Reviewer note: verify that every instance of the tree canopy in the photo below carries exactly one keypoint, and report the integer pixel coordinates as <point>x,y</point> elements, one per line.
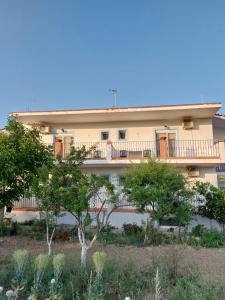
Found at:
<point>211,201</point>
<point>158,185</point>
<point>21,155</point>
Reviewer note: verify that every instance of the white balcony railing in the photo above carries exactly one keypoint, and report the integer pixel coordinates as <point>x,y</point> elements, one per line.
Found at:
<point>96,203</point>
<point>143,149</point>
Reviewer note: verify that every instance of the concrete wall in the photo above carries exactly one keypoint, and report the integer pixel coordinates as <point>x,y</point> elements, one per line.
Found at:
<point>136,131</point>
<point>117,219</point>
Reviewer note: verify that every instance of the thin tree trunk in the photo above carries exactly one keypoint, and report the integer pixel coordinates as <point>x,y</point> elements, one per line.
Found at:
<point>83,257</point>
<point>49,240</point>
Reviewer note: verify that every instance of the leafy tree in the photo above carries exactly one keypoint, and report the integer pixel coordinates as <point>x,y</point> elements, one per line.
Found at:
<point>21,154</point>
<point>77,192</point>
<point>210,200</point>
<point>160,188</point>
<point>45,187</point>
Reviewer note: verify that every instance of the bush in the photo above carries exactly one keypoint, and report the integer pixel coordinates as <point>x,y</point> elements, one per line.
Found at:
<point>198,230</point>
<point>132,229</point>
<point>209,238</point>
<point>212,238</point>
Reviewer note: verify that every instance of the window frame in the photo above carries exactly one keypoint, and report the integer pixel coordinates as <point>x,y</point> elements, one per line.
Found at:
<point>104,130</point>
<point>118,134</point>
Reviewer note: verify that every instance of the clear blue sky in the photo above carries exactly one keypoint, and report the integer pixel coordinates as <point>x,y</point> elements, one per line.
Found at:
<point>57,54</point>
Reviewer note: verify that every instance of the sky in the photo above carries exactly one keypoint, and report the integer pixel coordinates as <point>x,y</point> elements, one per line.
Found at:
<point>57,54</point>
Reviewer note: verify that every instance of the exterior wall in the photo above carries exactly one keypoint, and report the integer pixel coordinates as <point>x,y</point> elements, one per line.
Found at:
<point>117,219</point>
<point>136,131</point>
<point>206,174</point>
<point>219,133</point>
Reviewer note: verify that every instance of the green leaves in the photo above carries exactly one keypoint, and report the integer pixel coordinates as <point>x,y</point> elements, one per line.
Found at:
<point>21,155</point>
<point>211,201</point>
<point>155,184</point>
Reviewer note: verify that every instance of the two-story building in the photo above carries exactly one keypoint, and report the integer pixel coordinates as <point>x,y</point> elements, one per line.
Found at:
<point>191,136</point>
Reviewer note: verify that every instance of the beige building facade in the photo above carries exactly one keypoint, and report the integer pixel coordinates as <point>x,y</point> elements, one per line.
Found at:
<point>190,136</point>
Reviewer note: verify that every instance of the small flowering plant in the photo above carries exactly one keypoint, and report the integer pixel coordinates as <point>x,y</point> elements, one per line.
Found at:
<point>10,294</point>
<point>95,290</point>
<point>20,259</point>
<point>56,282</point>
<point>41,264</point>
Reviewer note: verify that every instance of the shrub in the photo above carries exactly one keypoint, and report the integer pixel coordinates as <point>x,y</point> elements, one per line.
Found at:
<point>212,238</point>
<point>198,230</point>
<point>132,229</point>
<point>154,237</point>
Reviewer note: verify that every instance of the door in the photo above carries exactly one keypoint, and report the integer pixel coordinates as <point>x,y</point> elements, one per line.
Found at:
<point>67,142</point>
<point>166,143</point>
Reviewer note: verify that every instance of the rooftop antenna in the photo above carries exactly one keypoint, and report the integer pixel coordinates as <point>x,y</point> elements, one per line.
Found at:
<point>114,92</point>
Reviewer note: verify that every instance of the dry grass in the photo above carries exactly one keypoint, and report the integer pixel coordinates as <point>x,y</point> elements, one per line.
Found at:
<point>209,262</point>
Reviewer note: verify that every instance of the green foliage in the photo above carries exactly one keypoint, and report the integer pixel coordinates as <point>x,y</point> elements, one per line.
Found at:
<point>195,288</point>
<point>211,201</point>
<point>174,279</point>
<point>209,238</point>
<point>198,230</point>
<point>99,260</point>
<point>21,154</point>
<point>3,228</point>
<point>132,229</point>
<point>159,185</point>
<point>212,238</point>
<point>40,265</point>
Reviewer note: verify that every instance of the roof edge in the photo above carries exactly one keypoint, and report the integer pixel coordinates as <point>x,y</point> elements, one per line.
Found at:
<point>117,108</point>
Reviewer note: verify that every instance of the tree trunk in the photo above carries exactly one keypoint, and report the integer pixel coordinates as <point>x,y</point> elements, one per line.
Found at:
<point>49,240</point>
<point>83,257</point>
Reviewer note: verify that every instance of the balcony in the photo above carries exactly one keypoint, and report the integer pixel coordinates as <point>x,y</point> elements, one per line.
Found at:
<point>142,150</point>
<point>123,205</point>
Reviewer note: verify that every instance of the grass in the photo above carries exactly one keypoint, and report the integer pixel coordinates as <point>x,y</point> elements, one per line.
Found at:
<point>120,279</point>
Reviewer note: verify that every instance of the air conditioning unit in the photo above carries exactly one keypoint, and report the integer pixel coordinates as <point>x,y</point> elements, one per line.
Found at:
<point>123,153</point>
<point>45,129</point>
<point>193,171</point>
<point>188,123</point>
<point>147,153</point>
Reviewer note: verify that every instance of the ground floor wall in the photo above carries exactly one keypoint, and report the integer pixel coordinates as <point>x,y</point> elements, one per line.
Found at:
<point>117,219</point>
<point>206,173</point>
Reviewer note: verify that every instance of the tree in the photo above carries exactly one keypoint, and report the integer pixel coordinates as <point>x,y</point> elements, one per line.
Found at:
<point>21,154</point>
<point>210,200</point>
<point>159,187</point>
<point>77,192</point>
<point>45,187</point>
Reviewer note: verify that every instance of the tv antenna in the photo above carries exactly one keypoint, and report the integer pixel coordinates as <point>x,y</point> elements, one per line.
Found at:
<point>114,92</point>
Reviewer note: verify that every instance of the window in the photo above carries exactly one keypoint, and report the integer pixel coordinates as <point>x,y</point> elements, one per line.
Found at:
<point>122,134</point>
<point>104,135</point>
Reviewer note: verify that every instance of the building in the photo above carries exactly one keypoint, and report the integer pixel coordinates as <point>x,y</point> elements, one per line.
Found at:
<point>191,136</point>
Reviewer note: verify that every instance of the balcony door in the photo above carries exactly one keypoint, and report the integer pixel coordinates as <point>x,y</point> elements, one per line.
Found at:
<point>67,144</point>
<point>166,143</point>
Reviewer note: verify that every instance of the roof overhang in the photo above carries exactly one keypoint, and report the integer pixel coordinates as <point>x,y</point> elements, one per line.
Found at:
<point>164,112</point>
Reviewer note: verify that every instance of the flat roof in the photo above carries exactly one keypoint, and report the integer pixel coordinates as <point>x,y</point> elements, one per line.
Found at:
<point>119,108</point>
<point>115,114</point>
